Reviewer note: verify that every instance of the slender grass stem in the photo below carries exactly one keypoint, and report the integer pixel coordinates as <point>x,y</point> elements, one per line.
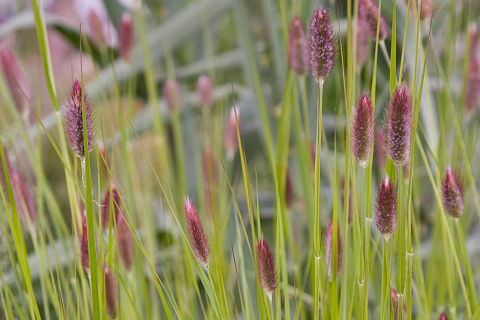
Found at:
<point>401,256</point>
<point>384,304</point>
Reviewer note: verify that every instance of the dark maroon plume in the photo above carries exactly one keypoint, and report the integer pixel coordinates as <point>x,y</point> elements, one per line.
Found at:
<point>266,268</point>
<point>297,47</point>
<point>452,194</point>
<point>368,20</point>
<point>198,241</point>
<point>322,48</point>
<point>363,125</point>
<point>386,209</point>
<point>111,295</point>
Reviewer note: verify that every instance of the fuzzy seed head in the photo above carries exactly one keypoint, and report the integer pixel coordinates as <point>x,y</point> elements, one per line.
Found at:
<point>362,45</point>
<point>452,194</point>
<point>395,305</point>
<point>443,316</point>
<point>322,48</point>
<point>230,141</point>
<point>472,86</point>
<point>329,250</point>
<point>363,125</point>
<point>386,209</point>
<point>126,36</point>
<point>125,244</point>
<point>399,125</point>
<point>266,268</point>
<point>205,91</point>
<point>172,94</point>
<point>111,295</point>
<point>15,81</point>
<point>83,240</point>
<point>24,200</point>
<point>74,120</point>
<point>368,20</point>
<point>297,47</point>
<point>111,195</point>
<point>198,241</point>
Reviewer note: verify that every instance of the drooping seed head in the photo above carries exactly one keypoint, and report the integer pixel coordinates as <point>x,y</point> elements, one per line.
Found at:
<point>399,125</point>
<point>297,47</point>
<point>321,45</point>
<point>289,192</point>
<point>329,250</point>
<point>111,197</point>
<point>443,316</point>
<point>125,244</point>
<point>15,81</point>
<point>368,20</point>
<point>395,305</point>
<point>172,94</point>
<point>83,240</point>
<point>266,268</point>
<point>126,35</point>
<point>111,295</point>
<point>24,200</point>
<point>74,120</point>
<point>205,91</point>
<point>363,124</point>
<point>230,141</point>
<point>452,194</point>
<point>472,86</point>
<point>198,241</point>
<point>386,209</point>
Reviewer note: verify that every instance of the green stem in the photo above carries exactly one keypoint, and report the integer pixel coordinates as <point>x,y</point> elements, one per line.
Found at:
<point>467,266</point>
<point>401,242</point>
<point>385,280</point>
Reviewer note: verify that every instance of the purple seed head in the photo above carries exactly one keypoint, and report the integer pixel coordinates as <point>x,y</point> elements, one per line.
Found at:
<point>399,125</point>
<point>111,295</point>
<point>198,241</point>
<point>112,195</point>
<point>363,124</point>
<point>266,268</point>
<point>395,304</point>
<point>83,240</point>
<point>125,244</point>
<point>24,199</point>
<point>289,192</point>
<point>172,94</point>
<point>126,36</point>
<point>297,47</point>
<point>452,194</point>
<point>74,120</point>
<point>230,141</point>
<point>322,47</point>
<point>368,20</point>
<point>443,316</point>
<point>14,79</point>
<point>205,91</point>
<point>386,209</point>
<point>472,86</point>
<point>329,250</point>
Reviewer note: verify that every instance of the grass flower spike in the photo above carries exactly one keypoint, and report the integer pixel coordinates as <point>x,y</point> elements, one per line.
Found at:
<point>472,88</point>
<point>26,204</point>
<point>399,126</point>
<point>198,241</point>
<point>322,47</point>
<point>368,20</point>
<point>230,141</point>
<point>329,250</point>
<point>74,120</point>
<point>266,268</point>
<point>126,35</point>
<point>363,131</point>
<point>83,241</point>
<point>172,94</point>
<point>386,209</point>
<point>111,295</point>
<point>452,194</point>
<point>395,304</point>
<point>297,47</point>
<point>112,195</point>
<point>443,316</point>
<point>125,244</point>
<point>15,81</point>
<point>205,91</point>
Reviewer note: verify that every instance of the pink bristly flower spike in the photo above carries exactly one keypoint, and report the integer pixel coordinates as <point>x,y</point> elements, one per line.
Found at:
<point>74,120</point>
<point>198,241</point>
<point>329,250</point>
<point>386,209</point>
<point>112,195</point>
<point>443,316</point>
<point>452,194</point>
<point>321,45</point>
<point>111,295</point>
<point>363,124</point>
<point>395,304</point>
<point>266,268</point>
<point>126,35</point>
<point>172,94</point>
<point>125,244</point>
<point>230,141</point>
<point>83,240</point>
<point>472,86</point>
<point>297,47</point>
<point>368,20</point>
<point>205,91</point>
<point>398,124</point>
